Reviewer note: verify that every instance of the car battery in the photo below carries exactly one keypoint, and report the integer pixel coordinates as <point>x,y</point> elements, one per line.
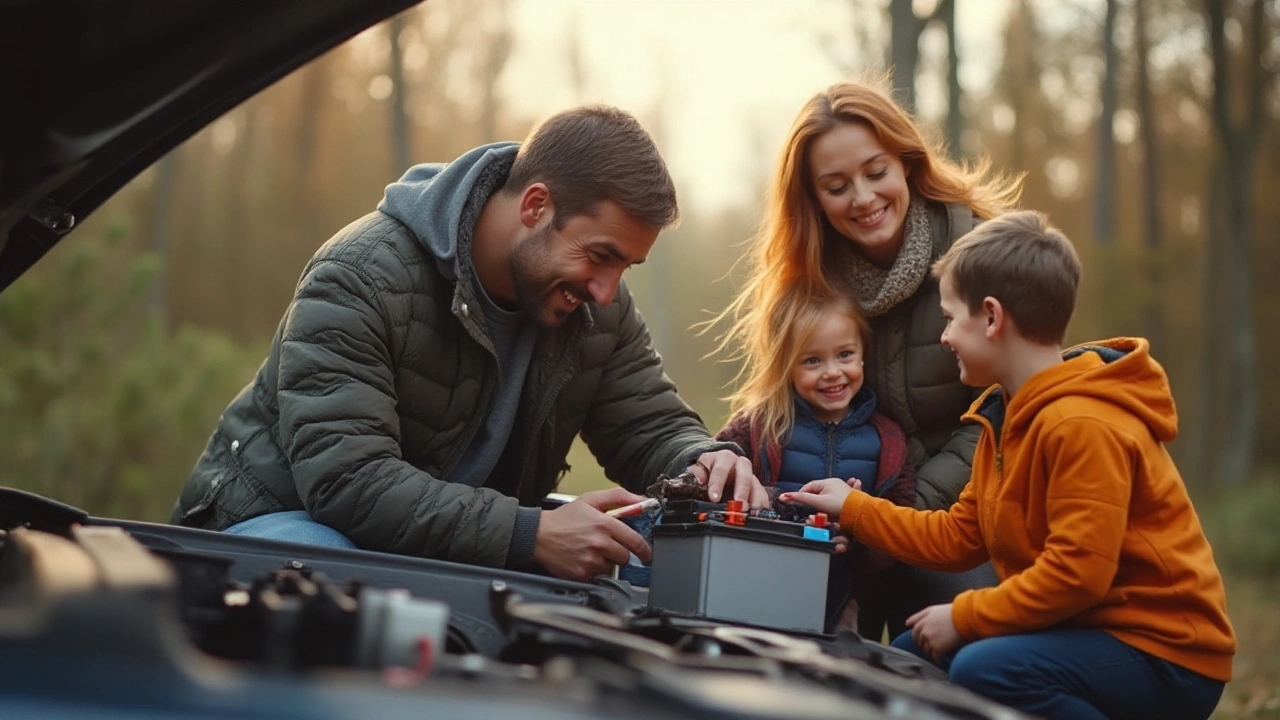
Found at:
<point>718,562</point>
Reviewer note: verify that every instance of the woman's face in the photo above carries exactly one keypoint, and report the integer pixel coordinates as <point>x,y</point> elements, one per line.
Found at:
<point>862,189</point>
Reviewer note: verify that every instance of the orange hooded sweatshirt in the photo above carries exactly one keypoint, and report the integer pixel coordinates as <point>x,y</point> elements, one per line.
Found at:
<point>1082,511</point>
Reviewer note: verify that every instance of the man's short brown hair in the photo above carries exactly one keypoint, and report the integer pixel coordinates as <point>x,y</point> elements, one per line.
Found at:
<point>1024,262</point>
<point>594,153</point>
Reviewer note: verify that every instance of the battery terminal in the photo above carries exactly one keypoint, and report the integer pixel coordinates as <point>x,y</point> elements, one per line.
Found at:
<point>734,514</point>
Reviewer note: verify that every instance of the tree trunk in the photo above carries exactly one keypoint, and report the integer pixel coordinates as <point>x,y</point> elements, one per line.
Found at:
<point>904,52</point>
<point>955,118</point>
<point>1153,318</point>
<point>162,205</point>
<point>497,52</point>
<point>1104,198</point>
<point>303,185</point>
<point>1238,139</point>
<point>241,308</point>
<point>1023,73</point>
<point>1207,421</point>
<point>401,155</point>
<point>1242,393</point>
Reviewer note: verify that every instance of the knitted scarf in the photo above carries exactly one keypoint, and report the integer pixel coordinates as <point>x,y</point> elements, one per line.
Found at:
<point>878,289</point>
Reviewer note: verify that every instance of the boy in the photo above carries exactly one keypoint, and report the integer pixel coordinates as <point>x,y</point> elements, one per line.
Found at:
<point>1109,602</point>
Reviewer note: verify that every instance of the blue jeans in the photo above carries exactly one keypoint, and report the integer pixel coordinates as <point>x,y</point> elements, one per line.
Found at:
<point>1077,675</point>
<point>636,572</point>
<point>293,526</point>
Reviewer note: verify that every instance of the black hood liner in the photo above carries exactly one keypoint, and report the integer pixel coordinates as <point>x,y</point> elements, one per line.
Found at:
<point>94,91</point>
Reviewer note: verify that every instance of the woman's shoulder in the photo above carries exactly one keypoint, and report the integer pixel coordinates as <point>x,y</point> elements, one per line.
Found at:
<point>949,222</point>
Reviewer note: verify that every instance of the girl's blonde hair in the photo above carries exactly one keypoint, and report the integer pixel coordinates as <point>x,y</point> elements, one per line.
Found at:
<point>765,394</point>
<point>786,254</point>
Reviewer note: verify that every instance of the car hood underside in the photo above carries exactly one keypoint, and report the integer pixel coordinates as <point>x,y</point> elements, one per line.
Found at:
<point>95,91</point>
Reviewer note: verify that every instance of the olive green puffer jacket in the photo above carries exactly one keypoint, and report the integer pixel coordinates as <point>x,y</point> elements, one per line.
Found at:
<point>382,372</point>
<point>917,381</point>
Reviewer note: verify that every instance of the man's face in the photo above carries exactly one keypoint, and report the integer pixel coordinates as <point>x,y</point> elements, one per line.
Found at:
<point>554,271</point>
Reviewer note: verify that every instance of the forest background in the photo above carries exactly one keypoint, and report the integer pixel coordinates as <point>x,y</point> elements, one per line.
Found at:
<point>1147,130</point>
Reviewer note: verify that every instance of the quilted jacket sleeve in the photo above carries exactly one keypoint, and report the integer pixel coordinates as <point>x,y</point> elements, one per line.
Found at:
<point>896,482</point>
<point>637,426</point>
<point>902,492</point>
<point>341,435</point>
<point>940,480</point>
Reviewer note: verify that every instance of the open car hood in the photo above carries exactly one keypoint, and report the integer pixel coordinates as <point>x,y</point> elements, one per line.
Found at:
<point>94,91</point>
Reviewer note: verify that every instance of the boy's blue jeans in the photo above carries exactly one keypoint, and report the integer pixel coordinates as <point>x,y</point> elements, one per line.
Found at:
<point>293,526</point>
<point>1077,675</point>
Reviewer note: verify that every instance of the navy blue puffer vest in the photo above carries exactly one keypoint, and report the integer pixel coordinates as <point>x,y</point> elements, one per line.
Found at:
<point>846,449</point>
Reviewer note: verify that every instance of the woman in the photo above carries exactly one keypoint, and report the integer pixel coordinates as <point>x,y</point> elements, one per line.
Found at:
<point>861,203</point>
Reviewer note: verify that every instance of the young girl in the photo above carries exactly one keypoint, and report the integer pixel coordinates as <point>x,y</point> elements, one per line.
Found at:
<point>803,414</point>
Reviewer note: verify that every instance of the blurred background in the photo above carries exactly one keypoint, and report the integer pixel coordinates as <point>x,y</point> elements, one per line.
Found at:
<point>1147,130</point>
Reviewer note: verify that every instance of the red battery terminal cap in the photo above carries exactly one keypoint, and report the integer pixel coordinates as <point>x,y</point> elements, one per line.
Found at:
<point>733,514</point>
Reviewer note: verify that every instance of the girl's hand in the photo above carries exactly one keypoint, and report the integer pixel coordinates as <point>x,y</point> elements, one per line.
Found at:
<point>822,495</point>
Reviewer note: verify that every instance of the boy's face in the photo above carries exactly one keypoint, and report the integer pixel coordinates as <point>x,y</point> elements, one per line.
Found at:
<point>968,336</point>
<point>828,371</point>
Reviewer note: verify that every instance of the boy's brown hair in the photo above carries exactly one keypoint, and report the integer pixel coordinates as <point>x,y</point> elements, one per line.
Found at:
<point>1024,262</point>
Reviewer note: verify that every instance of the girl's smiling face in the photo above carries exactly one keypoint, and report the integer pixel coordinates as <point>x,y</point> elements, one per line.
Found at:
<point>827,373</point>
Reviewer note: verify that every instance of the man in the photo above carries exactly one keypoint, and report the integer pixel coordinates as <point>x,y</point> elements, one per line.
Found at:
<point>441,354</point>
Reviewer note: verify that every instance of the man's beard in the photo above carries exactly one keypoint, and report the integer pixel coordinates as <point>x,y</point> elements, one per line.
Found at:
<point>534,279</point>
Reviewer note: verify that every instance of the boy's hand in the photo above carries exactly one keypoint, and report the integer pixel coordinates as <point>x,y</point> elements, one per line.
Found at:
<point>822,495</point>
<point>841,540</point>
<point>935,632</point>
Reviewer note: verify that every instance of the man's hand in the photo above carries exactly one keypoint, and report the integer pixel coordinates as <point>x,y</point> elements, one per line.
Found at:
<point>717,469</point>
<point>577,541</point>
<point>935,632</point>
<point>822,495</point>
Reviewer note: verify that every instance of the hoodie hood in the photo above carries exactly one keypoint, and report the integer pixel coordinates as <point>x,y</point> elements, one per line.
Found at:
<point>439,202</point>
<point>1120,371</point>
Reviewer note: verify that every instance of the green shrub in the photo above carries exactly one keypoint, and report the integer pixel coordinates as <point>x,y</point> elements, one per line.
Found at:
<point>103,406</point>
<point>1241,524</point>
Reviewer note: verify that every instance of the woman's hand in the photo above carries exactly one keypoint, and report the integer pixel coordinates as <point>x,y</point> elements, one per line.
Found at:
<point>822,495</point>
